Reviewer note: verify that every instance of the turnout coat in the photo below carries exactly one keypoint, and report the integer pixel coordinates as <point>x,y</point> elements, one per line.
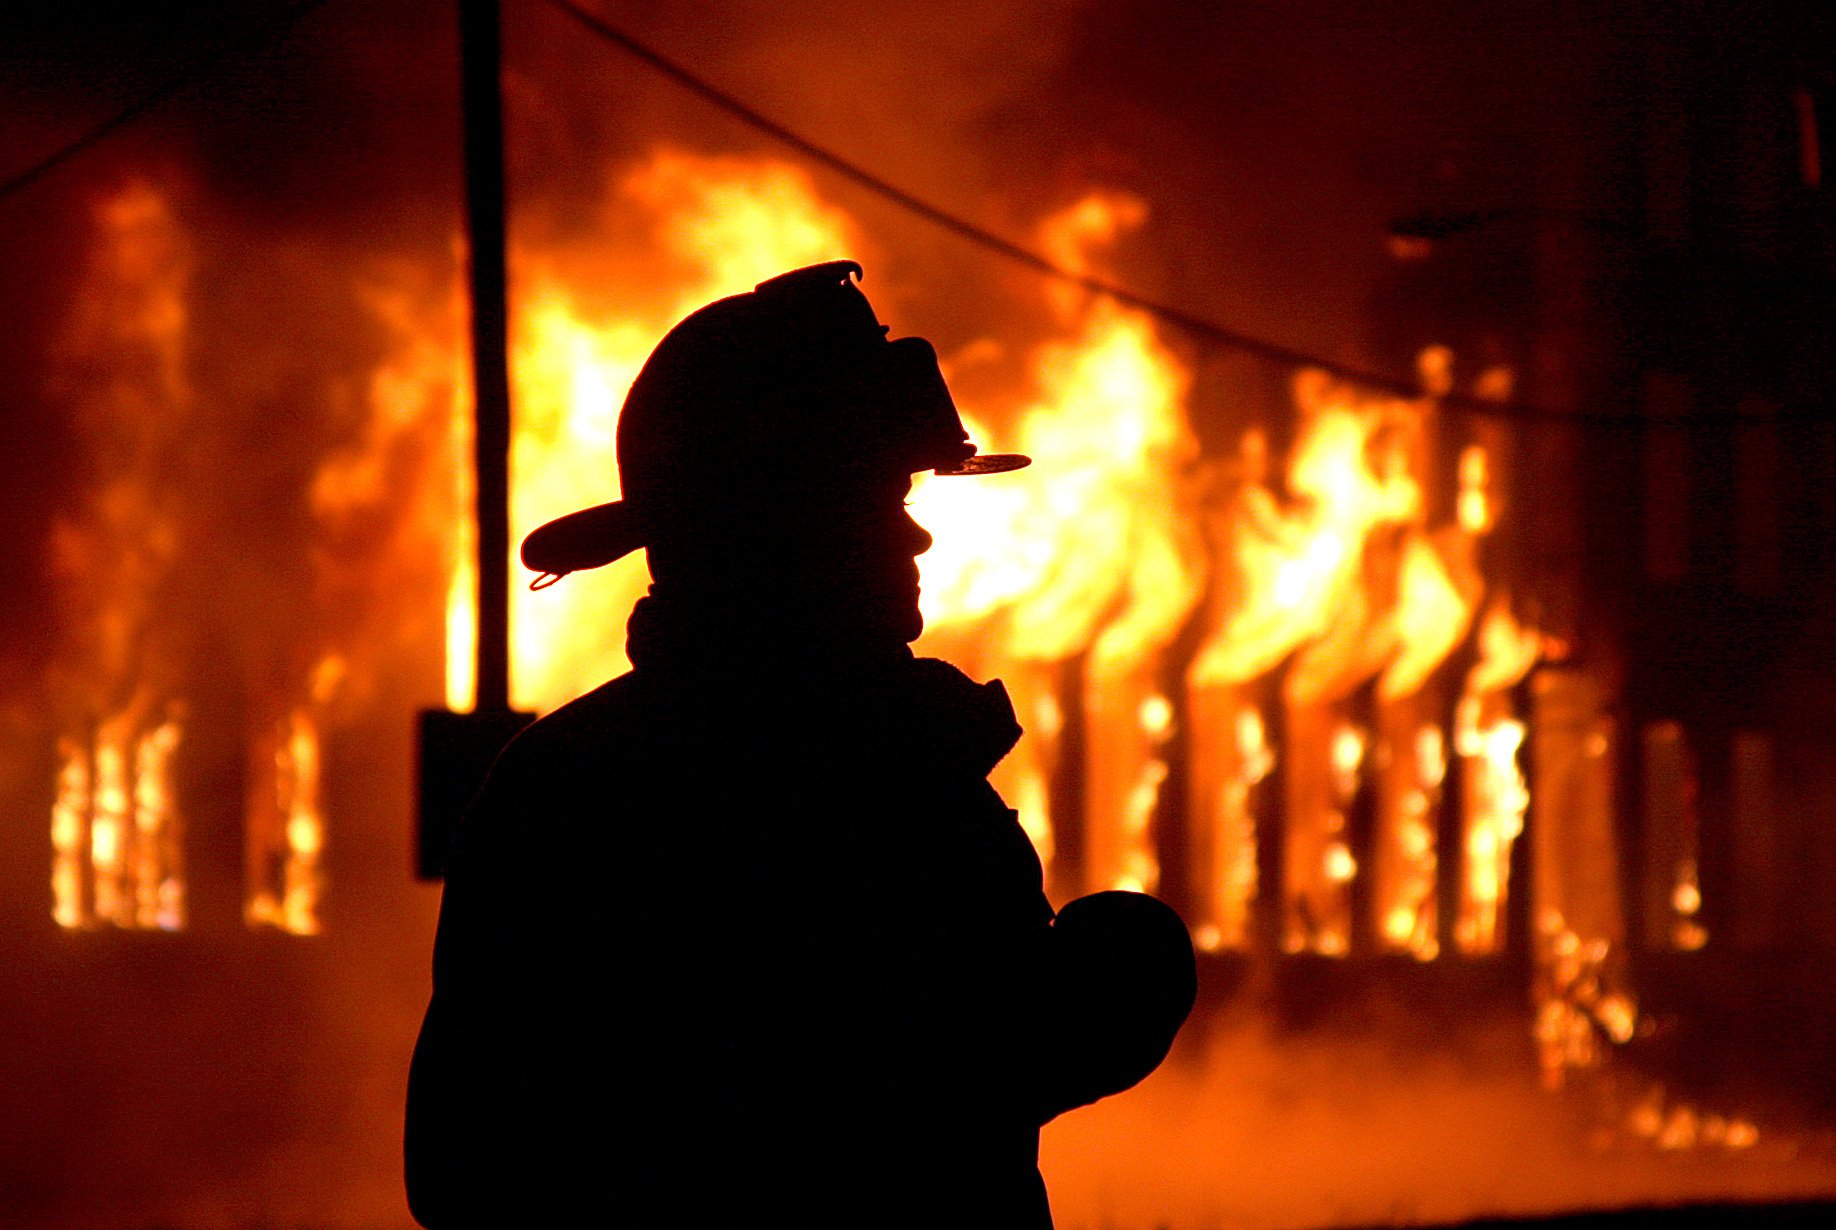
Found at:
<point>723,943</point>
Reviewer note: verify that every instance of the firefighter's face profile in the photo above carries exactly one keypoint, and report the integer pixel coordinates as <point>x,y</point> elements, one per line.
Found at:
<point>855,551</point>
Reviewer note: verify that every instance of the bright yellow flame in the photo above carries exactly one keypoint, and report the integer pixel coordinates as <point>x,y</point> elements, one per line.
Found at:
<point>1093,548</point>
<point>1474,504</point>
<point>1347,756</point>
<point>1295,571</point>
<point>69,818</point>
<point>1090,547</point>
<point>729,223</point>
<point>1407,865</point>
<point>1156,717</point>
<point>1496,795</point>
<point>1437,594</point>
<point>113,824</point>
<point>159,887</point>
<point>462,624</point>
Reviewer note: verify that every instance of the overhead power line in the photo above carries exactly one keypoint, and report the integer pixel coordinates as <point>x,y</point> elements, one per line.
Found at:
<point>260,38</point>
<point>1198,326</point>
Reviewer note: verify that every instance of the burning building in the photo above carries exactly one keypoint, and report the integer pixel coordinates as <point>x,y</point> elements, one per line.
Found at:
<point>1476,720</point>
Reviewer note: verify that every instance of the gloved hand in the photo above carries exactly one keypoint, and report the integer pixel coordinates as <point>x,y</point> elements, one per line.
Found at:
<point>1126,981</point>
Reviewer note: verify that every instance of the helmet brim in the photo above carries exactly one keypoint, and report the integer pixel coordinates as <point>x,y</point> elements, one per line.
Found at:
<point>600,535</point>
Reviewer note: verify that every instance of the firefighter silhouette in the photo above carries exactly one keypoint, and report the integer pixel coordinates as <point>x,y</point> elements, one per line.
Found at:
<point>745,933</point>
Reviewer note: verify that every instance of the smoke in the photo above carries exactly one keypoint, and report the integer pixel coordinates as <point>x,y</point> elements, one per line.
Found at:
<point>1380,1110</point>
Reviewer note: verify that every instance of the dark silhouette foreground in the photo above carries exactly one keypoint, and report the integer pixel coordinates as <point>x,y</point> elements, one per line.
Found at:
<point>744,936</point>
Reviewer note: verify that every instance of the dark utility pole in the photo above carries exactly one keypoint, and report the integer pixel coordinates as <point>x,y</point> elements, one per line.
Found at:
<point>484,206</point>
<point>457,749</point>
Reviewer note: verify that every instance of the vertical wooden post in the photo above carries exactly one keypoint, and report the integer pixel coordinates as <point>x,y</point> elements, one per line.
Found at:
<point>456,750</point>
<point>484,199</point>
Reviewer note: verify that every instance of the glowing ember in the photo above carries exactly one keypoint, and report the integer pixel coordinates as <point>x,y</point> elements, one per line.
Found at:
<point>1580,1009</point>
<point>1672,896</point>
<point>1687,933</point>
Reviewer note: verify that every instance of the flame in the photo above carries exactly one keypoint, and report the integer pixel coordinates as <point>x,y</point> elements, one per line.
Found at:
<point>1226,773</point>
<point>115,828</point>
<point>1580,1010</point>
<point>724,224</point>
<point>1292,574</point>
<point>1092,549</point>
<point>1496,796</point>
<point>1437,594</point>
<point>69,817</point>
<point>116,857</point>
<point>1407,859</point>
<point>287,831</point>
<point>1473,504</point>
<point>1344,581</point>
<point>462,620</point>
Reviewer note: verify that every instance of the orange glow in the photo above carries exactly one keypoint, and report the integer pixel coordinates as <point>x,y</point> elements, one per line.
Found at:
<point>1687,931</point>
<point>1495,795</point>
<point>116,858</point>
<point>1092,549</point>
<point>724,224</point>
<point>115,828</point>
<point>69,818</point>
<point>1225,777</point>
<point>1296,570</point>
<point>1407,861</point>
<point>287,835</point>
<point>1343,581</point>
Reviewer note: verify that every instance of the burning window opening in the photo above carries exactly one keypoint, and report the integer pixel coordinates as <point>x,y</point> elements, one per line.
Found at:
<point>286,828</point>
<point>117,849</point>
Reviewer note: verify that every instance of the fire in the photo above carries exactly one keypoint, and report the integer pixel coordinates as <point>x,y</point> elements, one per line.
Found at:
<point>114,837</point>
<point>1091,551</point>
<point>1343,583</point>
<point>1687,933</point>
<point>116,824</point>
<point>1488,736</point>
<point>722,225</point>
<point>1409,921</point>
<point>1091,558</point>
<point>1072,580</point>
<point>287,829</point>
<point>115,829</point>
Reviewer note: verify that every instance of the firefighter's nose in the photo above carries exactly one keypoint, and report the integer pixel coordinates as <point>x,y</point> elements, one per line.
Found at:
<point>918,540</point>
